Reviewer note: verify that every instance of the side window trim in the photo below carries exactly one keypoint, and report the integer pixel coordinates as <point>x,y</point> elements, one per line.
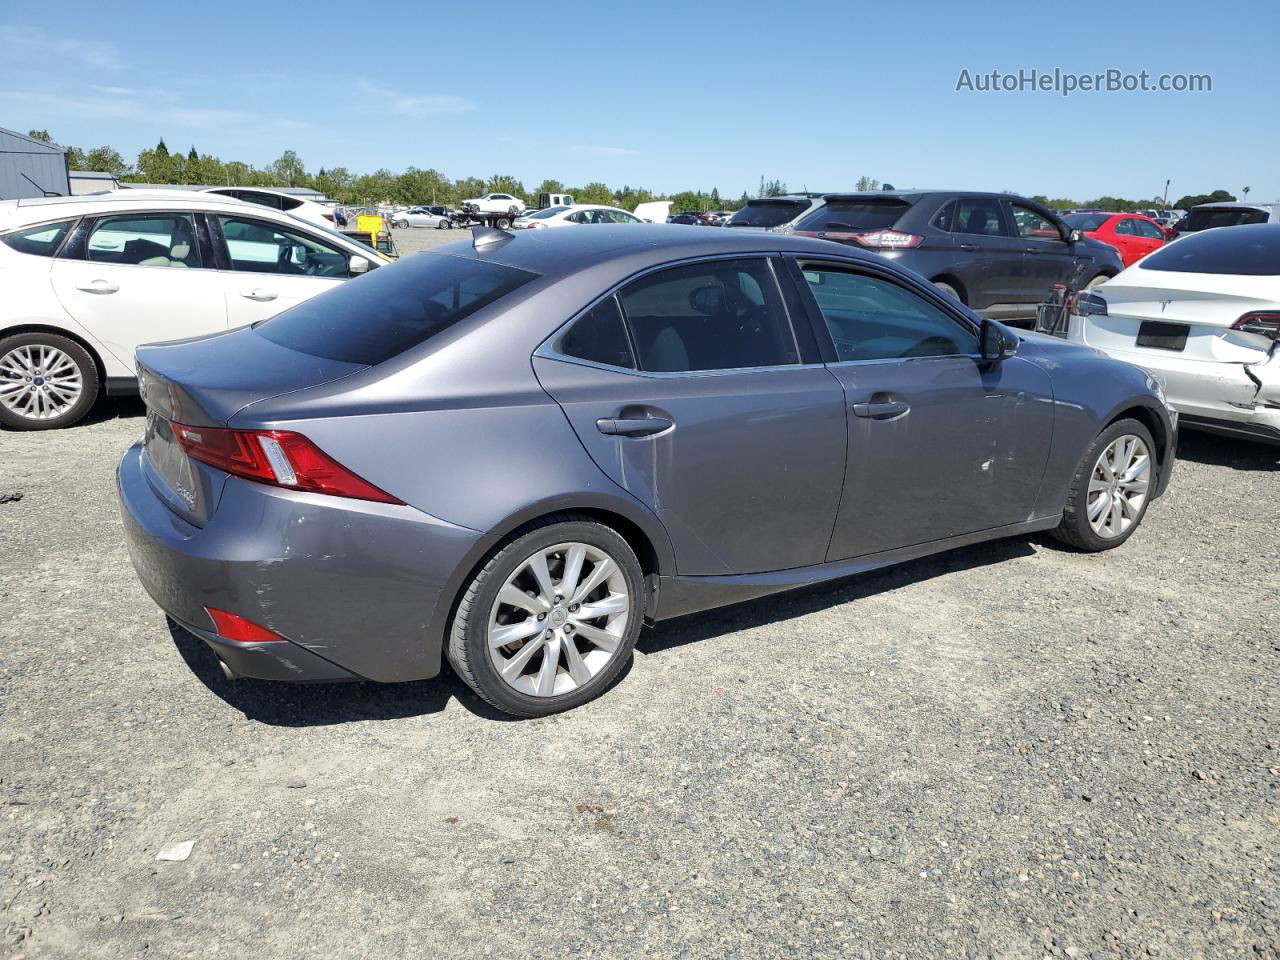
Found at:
<point>547,349</point>
<point>91,224</point>
<point>819,323</point>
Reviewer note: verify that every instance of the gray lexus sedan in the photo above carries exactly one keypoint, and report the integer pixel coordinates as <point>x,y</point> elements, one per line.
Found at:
<point>515,450</point>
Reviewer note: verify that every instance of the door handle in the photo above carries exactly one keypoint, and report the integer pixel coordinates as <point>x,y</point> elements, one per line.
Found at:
<point>880,410</point>
<point>633,427</point>
<point>98,286</point>
<point>969,246</point>
<point>1033,250</point>
<point>262,296</point>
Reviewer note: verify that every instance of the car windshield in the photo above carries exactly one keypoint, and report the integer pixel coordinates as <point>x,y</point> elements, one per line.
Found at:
<point>378,316</point>
<point>855,215</point>
<point>768,213</point>
<point>1248,251</point>
<point>1206,218</point>
<point>1086,221</point>
<point>545,213</point>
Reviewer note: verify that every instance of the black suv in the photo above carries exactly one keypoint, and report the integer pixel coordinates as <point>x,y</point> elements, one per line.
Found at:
<point>998,253</point>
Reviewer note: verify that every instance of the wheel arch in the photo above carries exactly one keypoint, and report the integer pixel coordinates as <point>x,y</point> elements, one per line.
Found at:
<point>1150,419</point>
<point>953,281</point>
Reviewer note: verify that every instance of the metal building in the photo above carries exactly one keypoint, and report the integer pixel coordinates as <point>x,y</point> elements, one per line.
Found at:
<point>31,168</point>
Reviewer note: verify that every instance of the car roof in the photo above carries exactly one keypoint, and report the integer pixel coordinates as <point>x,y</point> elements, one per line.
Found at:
<point>554,253</point>
<point>1238,204</point>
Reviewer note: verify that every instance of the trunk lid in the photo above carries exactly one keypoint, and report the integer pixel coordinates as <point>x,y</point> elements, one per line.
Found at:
<point>203,382</point>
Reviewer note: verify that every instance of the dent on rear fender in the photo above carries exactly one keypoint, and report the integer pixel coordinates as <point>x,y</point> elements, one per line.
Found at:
<point>1266,374</point>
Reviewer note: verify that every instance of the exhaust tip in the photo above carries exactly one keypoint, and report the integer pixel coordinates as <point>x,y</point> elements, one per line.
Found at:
<point>227,671</point>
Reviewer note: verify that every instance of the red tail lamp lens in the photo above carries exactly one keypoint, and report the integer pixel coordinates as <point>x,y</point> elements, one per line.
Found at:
<point>237,629</point>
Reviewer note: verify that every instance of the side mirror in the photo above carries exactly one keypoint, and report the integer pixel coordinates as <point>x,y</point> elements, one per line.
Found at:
<point>357,266</point>
<point>1075,236</point>
<point>996,343</point>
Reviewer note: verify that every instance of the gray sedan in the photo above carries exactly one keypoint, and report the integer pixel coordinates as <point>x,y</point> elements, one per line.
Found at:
<point>512,452</point>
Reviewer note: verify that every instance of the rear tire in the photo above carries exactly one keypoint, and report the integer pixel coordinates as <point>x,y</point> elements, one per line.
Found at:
<point>46,381</point>
<point>1097,281</point>
<point>401,224</point>
<point>559,656</point>
<point>949,290</point>
<point>1098,486</point>
<point>502,223</point>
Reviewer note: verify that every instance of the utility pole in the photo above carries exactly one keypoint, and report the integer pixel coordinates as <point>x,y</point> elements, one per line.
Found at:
<point>1165,203</point>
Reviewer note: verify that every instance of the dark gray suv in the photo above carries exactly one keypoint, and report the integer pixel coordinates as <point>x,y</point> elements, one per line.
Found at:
<point>997,253</point>
<point>512,452</point>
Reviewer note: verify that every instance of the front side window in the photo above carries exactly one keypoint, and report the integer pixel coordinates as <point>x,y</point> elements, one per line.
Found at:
<point>256,246</point>
<point>1144,228</point>
<point>599,336</point>
<point>874,319</point>
<point>42,241</point>
<point>716,315</point>
<point>145,240</point>
<point>1124,227</point>
<point>381,315</point>
<point>1033,226</point>
<point>979,216</point>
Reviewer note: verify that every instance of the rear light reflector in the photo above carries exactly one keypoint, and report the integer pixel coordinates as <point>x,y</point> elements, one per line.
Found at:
<point>1263,322</point>
<point>237,629</point>
<point>328,216</point>
<point>281,458</point>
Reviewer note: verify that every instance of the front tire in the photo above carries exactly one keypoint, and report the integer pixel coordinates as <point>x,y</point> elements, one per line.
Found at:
<point>1111,489</point>
<point>551,619</point>
<point>46,381</point>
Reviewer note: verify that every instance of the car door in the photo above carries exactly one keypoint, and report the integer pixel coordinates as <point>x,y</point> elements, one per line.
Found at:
<point>688,390</point>
<point>136,278</point>
<point>939,444</point>
<point>1046,256</point>
<point>1147,237</point>
<point>989,257</point>
<point>268,267</point>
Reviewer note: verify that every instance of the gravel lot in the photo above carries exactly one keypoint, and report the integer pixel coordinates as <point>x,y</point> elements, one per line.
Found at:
<point>1009,750</point>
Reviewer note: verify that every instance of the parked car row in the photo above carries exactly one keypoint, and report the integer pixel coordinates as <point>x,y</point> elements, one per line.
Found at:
<point>510,452</point>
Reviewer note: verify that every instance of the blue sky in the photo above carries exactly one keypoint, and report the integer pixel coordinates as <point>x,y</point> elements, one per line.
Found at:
<point>666,95</point>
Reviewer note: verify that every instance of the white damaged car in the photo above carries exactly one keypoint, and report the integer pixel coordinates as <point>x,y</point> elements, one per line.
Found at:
<point>1203,315</point>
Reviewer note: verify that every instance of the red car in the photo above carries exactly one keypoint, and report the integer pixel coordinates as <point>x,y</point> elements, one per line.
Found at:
<point>1132,234</point>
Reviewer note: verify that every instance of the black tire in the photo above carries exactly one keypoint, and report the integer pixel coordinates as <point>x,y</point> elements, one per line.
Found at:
<point>1074,530</point>
<point>440,224</point>
<point>468,649</point>
<point>502,223</point>
<point>949,290</point>
<point>85,366</point>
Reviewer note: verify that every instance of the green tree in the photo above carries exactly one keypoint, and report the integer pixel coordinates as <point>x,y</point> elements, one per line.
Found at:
<point>41,135</point>
<point>289,170</point>
<point>101,159</point>
<point>594,192</point>
<point>1218,196</point>
<point>547,186</point>
<point>867,183</point>
<point>161,148</point>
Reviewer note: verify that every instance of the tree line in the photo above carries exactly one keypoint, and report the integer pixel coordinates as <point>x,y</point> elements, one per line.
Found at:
<point>416,186</point>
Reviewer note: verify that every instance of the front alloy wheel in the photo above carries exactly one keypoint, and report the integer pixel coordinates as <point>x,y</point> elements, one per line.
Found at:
<point>1119,486</point>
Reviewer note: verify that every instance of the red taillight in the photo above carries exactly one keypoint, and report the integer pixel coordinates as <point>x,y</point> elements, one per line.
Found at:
<point>239,630</point>
<point>886,239</point>
<point>278,457</point>
<point>1263,322</point>
<point>328,216</point>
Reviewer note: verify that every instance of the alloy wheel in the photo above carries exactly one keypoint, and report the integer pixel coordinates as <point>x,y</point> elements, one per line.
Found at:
<point>1118,486</point>
<point>39,382</point>
<point>559,619</point>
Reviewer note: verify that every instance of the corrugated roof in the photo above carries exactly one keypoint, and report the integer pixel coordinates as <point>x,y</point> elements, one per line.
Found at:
<point>38,146</point>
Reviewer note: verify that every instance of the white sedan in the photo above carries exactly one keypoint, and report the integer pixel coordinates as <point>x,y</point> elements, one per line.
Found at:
<point>495,203</point>
<point>572,216</point>
<point>435,217</point>
<point>89,279</point>
<point>1203,315</point>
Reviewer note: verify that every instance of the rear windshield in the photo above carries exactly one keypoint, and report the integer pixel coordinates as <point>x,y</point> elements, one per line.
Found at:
<point>1248,251</point>
<point>1222,217</point>
<point>383,314</point>
<point>1086,221</point>
<point>772,213</point>
<point>545,212</point>
<point>855,215</point>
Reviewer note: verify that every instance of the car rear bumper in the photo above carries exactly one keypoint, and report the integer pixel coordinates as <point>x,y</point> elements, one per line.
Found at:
<point>353,586</point>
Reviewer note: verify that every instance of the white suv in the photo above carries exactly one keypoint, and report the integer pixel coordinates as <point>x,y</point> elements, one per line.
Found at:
<point>86,280</point>
<point>307,210</point>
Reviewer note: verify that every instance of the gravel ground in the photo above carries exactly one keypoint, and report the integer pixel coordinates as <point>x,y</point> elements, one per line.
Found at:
<point>1008,750</point>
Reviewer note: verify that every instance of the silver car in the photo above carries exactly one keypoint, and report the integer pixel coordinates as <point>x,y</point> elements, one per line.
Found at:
<point>437,218</point>
<point>513,452</point>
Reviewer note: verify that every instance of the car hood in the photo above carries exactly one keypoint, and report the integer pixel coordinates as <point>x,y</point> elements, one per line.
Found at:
<point>1052,351</point>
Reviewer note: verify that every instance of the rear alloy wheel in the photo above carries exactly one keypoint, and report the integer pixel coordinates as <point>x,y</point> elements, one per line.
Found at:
<point>46,381</point>
<point>550,620</point>
<point>1111,489</point>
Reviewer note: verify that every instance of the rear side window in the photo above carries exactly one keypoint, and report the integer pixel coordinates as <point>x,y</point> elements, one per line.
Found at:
<point>770,213</point>
<point>146,240</point>
<point>717,315</point>
<point>1248,251</point>
<point>378,316</point>
<point>1208,217</point>
<point>979,216</point>
<point>42,241</point>
<point>839,215</point>
<point>599,337</point>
